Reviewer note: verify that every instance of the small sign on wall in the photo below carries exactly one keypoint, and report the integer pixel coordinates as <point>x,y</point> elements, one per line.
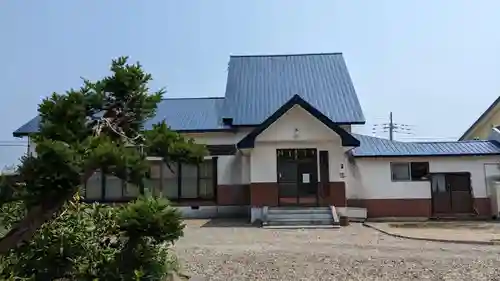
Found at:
<point>306,178</point>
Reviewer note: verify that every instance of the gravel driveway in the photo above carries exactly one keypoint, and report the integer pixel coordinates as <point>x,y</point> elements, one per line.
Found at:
<point>234,252</point>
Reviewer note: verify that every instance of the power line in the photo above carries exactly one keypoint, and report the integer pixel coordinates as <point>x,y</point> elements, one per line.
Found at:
<point>392,128</point>
<point>13,145</point>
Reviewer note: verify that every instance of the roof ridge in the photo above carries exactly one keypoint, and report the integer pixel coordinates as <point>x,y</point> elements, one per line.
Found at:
<point>451,141</point>
<point>378,138</point>
<point>424,142</point>
<point>287,55</point>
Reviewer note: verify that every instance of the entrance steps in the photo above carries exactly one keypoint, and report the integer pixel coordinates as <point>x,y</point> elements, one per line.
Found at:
<point>301,217</point>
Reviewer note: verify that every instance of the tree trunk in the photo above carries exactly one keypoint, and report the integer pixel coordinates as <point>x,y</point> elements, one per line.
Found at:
<point>36,217</point>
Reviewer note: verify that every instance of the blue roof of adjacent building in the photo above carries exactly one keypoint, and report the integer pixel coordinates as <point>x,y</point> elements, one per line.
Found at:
<point>257,86</point>
<point>378,147</point>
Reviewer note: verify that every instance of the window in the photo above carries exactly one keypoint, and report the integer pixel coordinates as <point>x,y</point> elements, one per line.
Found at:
<point>400,171</point>
<point>189,181</point>
<point>419,171</point>
<point>409,171</point>
<point>173,182</point>
<point>170,180</point>
<point>155,177</point>
<point>113,188</point>
<point>206,179</point>
<point>93,187</point>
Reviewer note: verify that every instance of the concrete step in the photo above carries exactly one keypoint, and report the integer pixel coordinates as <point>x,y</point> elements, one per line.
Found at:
<point>300,226</point>
<point>297,217</point>
<point>291,222</point>
<point>300,216</point>
<point>281,210</point>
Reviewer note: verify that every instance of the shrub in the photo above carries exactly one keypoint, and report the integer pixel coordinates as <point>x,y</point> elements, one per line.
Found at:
<point>100,242</point>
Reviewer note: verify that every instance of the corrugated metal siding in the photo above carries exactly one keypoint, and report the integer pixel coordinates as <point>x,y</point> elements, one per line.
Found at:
<point>258,85</point>
<point>373,147</point>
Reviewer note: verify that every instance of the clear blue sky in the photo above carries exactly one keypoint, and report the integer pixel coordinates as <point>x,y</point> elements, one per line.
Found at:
<point>435,64</point>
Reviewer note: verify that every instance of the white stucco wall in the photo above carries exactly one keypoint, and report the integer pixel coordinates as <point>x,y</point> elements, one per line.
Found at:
<point>216,138</point>
<point>31,147</point>
<point>371,178</point>
<point>295,129</point>
<point>232,169</point>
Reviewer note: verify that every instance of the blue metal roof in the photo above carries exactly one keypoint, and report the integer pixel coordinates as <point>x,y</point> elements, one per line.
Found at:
<point>189,114</point>
<point>257,86</point>
<point>378,147</point>
<point>28,128</point>
<point>183,114</point>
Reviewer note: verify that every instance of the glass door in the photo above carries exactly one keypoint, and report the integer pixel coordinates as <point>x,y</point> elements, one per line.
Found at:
<point>297,176</point>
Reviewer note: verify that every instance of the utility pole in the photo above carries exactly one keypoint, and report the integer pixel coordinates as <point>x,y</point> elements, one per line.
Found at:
<point>392,128</point>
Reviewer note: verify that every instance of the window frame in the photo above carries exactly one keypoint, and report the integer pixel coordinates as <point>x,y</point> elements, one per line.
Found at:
<point>409,164</point>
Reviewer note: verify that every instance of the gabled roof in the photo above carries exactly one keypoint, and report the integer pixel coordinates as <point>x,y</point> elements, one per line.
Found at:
<point>249,140</point>
<point>481,117</point>
<point>183,114</point>
<point>28,128</point>
<point>257,86</point>
<point>378,147</point>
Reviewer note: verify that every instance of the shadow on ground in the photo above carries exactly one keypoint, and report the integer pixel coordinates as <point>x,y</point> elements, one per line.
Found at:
<point>228,223</point>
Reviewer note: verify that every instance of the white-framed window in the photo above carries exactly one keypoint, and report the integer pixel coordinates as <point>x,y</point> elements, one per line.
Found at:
<point>409,171</point>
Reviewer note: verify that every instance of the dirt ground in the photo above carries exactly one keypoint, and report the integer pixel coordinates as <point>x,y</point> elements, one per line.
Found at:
<point>231,250</point>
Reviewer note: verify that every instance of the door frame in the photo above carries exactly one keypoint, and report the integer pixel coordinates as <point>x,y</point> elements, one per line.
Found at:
<point>297,162</point>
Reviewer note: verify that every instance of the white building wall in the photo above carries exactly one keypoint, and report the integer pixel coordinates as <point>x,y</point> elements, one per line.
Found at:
<point>372,177</point>
<point>295,129</point>
<point>31,147</point>
<point>215,138</point>
<point>232,169</point>
<point>229,169</point>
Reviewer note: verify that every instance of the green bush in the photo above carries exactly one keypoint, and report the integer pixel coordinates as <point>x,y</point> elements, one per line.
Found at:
<point>100,242</point>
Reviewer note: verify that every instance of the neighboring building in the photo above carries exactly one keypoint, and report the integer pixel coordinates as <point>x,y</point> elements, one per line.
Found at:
<point>281,136</point>
<point>481,128</point>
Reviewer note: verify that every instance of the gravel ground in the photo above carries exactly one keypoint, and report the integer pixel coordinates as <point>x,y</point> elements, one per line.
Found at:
<point>235,252</point>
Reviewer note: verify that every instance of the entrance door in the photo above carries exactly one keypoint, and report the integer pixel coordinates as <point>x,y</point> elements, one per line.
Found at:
<point>297,176</point>
<point>451,193</point>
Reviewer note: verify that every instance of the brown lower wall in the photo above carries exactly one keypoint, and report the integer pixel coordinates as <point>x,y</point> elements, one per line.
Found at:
<point>483,206</point>
<point>378,208</point>
<point>267,194</point>
<point>235,194</point>
<point>264,194</point>
<point>333,194</point>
